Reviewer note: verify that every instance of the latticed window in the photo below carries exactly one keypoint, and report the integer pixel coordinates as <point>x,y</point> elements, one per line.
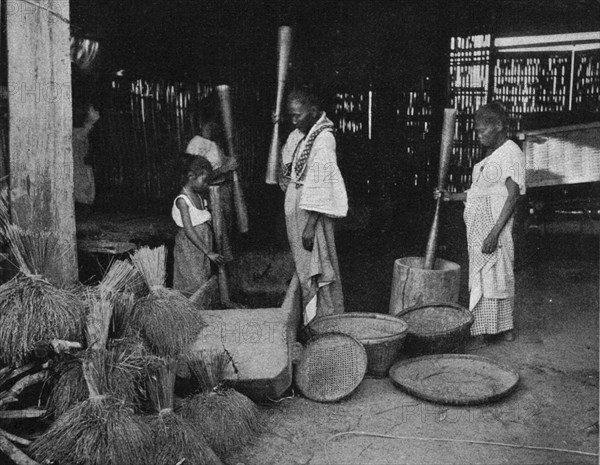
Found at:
<point>529,75</point>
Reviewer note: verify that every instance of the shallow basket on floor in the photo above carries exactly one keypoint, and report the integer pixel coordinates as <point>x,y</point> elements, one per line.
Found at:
<point>381,335</point>
<point>330,367</point>
<point>436,328</point>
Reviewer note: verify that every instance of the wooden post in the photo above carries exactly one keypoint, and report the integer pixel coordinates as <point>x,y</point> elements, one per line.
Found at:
<point>40,126</point>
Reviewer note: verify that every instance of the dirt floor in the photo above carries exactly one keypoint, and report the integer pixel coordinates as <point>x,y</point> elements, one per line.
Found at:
<point>555,353</point>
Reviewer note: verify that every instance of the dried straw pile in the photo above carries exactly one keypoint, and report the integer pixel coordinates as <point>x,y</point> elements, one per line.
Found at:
<point>121,369</point>
<point>121,363</point>
<point>168,322</point>
<point>175,440</point>
<point>227,418</point>
<point>124,304</point>
<point>101,430</point>
<point>121,276</point>
<point>31,308</point>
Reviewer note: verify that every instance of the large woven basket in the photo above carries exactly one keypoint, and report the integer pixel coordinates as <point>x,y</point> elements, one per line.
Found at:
<point>381,335</point>
<point>436,328</point>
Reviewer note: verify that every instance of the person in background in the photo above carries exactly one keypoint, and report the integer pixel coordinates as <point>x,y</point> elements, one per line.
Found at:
<point>209,144</point>
<point>193,251</point>
<point>497,182</point>
<point>84,118</point>
<point>315,194</point>
<point>210,141</point>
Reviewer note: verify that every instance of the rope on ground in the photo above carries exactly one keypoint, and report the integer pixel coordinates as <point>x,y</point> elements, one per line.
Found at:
<point>281,399</point>
<point>462,441</point>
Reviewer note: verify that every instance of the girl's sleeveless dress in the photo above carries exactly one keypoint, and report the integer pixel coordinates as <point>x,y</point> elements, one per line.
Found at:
<point>191,267</point>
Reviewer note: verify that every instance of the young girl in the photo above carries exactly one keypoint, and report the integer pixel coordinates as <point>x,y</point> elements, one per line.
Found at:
<point>194,241</point>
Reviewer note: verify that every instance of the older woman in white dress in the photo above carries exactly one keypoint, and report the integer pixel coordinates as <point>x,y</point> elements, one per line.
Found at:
<point>498,181</point>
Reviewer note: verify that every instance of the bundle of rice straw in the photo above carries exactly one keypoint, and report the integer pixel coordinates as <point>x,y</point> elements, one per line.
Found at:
<point>168,322</point>
<point>101,430</point>
<point>122,321</point>
<point>121,275</point>
<point>31,308</point>
<point>227,418</point>
<point>174,439</point>
<point>116,284</point>
<point>120,366</point>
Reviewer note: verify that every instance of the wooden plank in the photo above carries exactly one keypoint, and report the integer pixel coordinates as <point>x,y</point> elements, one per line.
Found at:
<point>40,127</point>
<point>103,246</point>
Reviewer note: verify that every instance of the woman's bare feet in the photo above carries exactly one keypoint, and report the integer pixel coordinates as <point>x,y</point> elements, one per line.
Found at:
<point>508,336</point>
<point>477,342</point>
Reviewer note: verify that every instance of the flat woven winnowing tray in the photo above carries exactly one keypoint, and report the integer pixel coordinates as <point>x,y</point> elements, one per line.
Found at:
<point>331,367</point>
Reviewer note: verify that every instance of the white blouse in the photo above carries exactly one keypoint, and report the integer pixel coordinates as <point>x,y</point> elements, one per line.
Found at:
<point>207,149</point>
<point>491,173</point>
<point>196,215</point>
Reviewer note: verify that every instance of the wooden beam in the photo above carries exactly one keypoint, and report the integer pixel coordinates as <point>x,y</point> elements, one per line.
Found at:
<point>40,126</point>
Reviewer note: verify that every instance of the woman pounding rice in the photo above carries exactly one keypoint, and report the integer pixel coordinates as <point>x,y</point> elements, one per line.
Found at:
<point>315,194</point>
<point>497,182</point>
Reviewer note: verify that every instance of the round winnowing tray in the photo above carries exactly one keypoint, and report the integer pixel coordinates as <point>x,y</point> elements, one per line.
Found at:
<point>331,367</point>
<point>454,379</point>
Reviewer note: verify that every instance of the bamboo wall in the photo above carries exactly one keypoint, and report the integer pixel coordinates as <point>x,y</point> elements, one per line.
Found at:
<point>532,84</point>
<point>469,89</point>
<point>136,145</point>
<point>145,126</point>
<point>586,88</point>
<point>536,83</point>
<point>387,149</point>
<point>415,118</point>
<point>391,150</point>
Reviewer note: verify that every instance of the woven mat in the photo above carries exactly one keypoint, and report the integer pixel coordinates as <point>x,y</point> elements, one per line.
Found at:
<point>331,368</point>
<point>454,379</point>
